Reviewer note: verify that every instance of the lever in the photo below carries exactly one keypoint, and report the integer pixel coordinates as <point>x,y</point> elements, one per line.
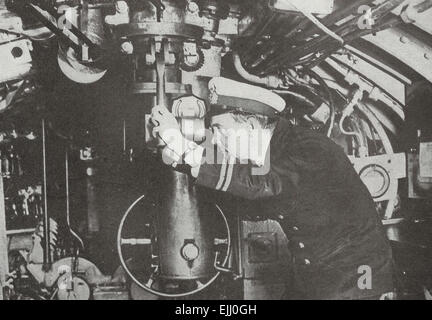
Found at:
<point>160,76</point>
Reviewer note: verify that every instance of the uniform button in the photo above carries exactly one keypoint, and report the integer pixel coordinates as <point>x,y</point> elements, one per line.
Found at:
<point>301,245</point>
<point>295,228</point>
<point>307,261</point>
<point>281,217</point>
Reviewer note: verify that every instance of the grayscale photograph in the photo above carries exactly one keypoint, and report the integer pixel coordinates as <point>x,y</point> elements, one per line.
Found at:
<point>215,155</point>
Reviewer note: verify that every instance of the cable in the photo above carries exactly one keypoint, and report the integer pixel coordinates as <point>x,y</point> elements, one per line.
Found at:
<point>330,97</point>
<point>73,233</point>
<point>270,80</point>
<point>15,33</point>
<point>322,27</point>
<point>348,133</point>
<point>295,95</point>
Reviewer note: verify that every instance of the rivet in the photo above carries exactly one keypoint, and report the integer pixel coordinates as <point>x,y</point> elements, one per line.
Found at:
<point>404,39</point>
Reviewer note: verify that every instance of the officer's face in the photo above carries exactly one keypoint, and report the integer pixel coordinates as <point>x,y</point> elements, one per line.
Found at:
<point>242,139</point>
<point>231,135</point>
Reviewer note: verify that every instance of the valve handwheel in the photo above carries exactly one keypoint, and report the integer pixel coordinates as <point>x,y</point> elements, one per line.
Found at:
<point>151,279</point>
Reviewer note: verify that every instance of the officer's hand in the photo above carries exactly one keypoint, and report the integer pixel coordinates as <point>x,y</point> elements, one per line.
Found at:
<point>165,125</point>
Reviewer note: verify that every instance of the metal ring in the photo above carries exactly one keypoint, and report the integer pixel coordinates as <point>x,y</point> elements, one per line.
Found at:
<point>158,293</point>
<point>384,174</point>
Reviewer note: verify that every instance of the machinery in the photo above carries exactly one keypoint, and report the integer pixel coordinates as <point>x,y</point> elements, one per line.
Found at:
<point>349,69</point>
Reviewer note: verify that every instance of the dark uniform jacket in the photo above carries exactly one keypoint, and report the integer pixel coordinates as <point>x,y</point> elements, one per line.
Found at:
<point>337,241</point>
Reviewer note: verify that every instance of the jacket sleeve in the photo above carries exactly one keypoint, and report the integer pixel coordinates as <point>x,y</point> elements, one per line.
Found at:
<point>224,173</point>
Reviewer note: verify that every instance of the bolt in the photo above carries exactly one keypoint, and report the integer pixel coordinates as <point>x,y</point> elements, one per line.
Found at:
<point>192,7</point>
<point>190,252</point>
<point>127,47</point>
<point>404,39</point>
<point>121,6</point>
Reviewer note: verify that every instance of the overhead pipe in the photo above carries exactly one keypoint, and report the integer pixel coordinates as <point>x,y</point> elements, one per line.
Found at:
<point>319,24</point>
<point>269,81</point>
<point>338,33</point>
<point>262,30</point>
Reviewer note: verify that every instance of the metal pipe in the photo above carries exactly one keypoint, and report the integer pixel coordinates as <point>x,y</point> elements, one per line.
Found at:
<point>298,24</point>
<point>160,78</point>
<point>73,233</point>
<point>385,8</point>
<point>320,43</point>
<point>423,6</point>
<point>347,111</point>
<point>306,48</point>
<point>239,235</point>
<point>269,81</point>
<point>319,24</point>
<point>295,95</point>
<point>4,263</point>
<point>345,11</point>
<point>311,47</point>
<point>264,27</point>
<point>302,25</point>
<point>358,136</point>
<point>349,34</point>
<point>282,58</point>
<point>287,39</point>
<point>331,101</point>
<point>46,221</point>
<point>53,28</point>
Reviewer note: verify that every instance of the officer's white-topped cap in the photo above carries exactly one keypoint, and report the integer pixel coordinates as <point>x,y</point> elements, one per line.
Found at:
<point>244,97</point>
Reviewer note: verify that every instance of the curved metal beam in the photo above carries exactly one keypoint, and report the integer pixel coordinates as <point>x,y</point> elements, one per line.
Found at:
<point>410,50</point>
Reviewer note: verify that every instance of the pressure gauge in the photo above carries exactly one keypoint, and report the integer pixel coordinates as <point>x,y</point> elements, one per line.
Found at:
<point>376,178</point>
